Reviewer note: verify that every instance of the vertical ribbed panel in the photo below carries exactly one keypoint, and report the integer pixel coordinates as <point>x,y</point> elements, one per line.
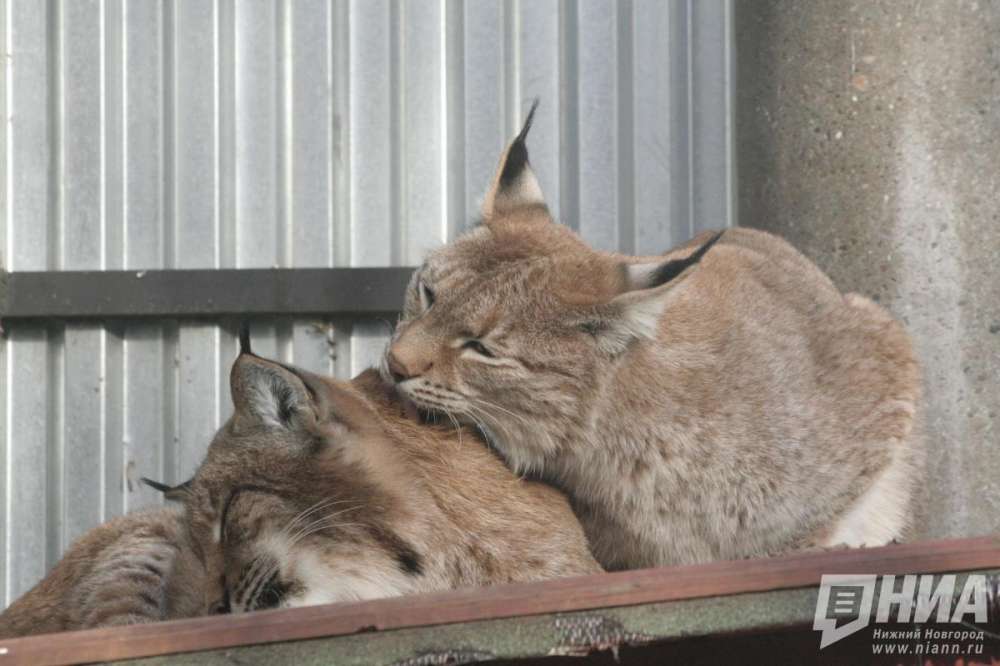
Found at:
<point>305,133</point>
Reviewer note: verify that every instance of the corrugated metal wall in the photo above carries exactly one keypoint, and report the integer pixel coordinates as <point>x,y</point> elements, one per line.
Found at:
<point>194,134</point>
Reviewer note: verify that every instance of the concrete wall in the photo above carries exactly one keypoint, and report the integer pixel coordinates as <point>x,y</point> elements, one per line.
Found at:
<point>869,136</point>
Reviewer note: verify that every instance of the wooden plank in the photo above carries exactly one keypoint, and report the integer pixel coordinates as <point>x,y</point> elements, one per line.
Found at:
<point>627,588</point>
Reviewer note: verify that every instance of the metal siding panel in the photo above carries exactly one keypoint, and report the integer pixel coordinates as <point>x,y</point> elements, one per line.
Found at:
<point>144,380</point>
<point>82,223</point>
<point>27,240</point>
<point>259,221</point>
<point>596,85</point>
<point>423,215</point>
<point>709,115</point>
<point>198,399</point>
<point>313,346</point>
<point>367,345</point>
<point>196,223</point>
<point>142,144</point>
<point>113,133</point>
<point>112,385</point>
<point>81,236</point>
<point>657,225</point>
<point>311,128</point>
<point>261,224</point>
<point>28,137</point>
<point>6,447</point>
<point>144,405</point>
<point>307,133</point>
<point>82,473</point>
<point>113,182</point>
<point>485,131</point>
<point>536,72</point>
<point>194,201</point>
<point>28,429</point>
<point>312,134</point>
<point>370,134</point>
<point>5,69</point>
<point>5,345</point>
<point>373,217</point>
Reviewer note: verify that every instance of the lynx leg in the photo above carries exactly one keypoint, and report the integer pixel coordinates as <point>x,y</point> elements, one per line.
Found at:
<point>882,513</point>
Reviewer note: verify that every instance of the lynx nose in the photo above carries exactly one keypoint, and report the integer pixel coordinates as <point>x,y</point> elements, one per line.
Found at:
<point>401,369</point>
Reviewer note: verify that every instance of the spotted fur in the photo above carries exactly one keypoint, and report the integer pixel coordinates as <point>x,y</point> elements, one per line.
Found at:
<point>131,570</point>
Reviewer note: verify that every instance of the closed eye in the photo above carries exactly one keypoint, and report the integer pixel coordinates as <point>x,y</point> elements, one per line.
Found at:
<point>426,295</point>
<point>479,348</point>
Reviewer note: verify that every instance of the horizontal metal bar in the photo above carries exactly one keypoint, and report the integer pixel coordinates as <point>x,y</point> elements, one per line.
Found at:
<point>201,293</point>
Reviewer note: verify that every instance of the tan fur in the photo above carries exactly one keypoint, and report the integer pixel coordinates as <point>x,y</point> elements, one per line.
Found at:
<point>743,408</point>
<point>129,570</point>
<point>333,494</point>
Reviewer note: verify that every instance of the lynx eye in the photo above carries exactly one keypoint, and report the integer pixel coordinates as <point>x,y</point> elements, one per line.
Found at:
<point>272,594</point>
<point>426,295</point>
<point>478,347</point>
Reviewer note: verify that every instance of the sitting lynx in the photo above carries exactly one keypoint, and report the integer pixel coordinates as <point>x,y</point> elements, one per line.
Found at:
<point>318,491</point>
<point>129,570</point>
<point>722,401</point>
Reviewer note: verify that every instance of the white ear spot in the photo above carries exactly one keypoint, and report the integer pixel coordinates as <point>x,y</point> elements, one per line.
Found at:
<point>525,191</point>
<point>640,276</point>
<point>641,318</point>
<point>637,318</point>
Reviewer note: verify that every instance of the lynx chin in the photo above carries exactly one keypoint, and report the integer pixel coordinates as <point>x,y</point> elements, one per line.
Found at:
<point>723,400</point>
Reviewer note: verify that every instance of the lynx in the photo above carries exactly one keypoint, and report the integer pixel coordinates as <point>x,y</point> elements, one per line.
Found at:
<point>130,570</point>
<point>722,401</point>
<point>318,491</point>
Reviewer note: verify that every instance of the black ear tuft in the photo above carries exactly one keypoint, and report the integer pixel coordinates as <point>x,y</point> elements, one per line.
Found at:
<point>517,155</point>
<point>672,269</point>
<point>155,485</point>
<point>173,493</point>
<point>245,338</point>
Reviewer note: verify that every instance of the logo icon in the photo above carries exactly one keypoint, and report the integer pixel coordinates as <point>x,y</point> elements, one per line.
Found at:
<point>846,602</point>
<point>843,597</point>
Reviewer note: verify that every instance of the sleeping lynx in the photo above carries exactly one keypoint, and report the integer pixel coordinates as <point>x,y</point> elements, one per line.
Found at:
<point>722,401</point>
<point>314,491</point>
<point>318,491</point>
<point>129,570</point>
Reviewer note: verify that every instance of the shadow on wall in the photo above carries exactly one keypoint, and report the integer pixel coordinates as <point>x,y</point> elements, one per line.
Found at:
<point>868,136</point>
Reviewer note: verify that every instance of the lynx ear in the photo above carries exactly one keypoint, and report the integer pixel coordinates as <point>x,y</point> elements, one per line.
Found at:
<point>269,394</point>
<point>636,312</point>
<point>173,493</point>
<point>656,274</point>
<point>514,184</point>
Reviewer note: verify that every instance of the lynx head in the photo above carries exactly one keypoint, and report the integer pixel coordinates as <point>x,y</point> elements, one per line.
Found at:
<point>514,324</point>
<point>299,499</point>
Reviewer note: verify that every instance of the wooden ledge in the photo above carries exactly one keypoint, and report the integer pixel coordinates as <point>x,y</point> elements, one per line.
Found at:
<point>627,588</point>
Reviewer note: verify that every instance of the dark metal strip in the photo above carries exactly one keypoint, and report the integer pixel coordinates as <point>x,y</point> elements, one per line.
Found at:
<point>201,293</point>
